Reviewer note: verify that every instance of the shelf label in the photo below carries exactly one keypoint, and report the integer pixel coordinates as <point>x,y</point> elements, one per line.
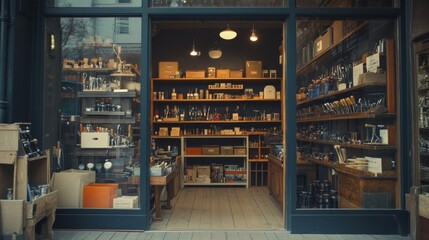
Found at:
<point>357,70</point>
<point>373,62</point>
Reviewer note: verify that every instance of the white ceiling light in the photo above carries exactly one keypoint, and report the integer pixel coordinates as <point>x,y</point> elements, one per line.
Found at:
<point>194,52</point>
<point>253,37</point>
<point>215,53</point>
<point>228,33</point>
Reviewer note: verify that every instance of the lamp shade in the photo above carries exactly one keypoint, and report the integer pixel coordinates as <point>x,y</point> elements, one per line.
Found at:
<point>215,53</point>
<point>228,34</point>
<point>254,37</point>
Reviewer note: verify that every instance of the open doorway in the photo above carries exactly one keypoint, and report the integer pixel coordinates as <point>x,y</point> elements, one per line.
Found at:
<point>217,115</point>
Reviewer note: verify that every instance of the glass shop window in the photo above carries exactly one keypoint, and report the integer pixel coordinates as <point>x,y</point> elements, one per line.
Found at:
<point>217,3</point>
<point>347,3</point>
<point>94,3</point>
<point>347,138</point>
<point>100,159</point>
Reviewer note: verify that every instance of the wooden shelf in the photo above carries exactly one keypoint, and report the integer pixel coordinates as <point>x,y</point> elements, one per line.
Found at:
<point>215,156</point>
<point>211,122</point>
<point>363,115</point>
<point>216,184</point>
<point>215,79</point>
<point>89,69</point>
<point>112,119</point>
<point>306,66</point>
<point>218,100</point>
<point>259,160</point>
<point>379,147</point>
<point>352,171</point>
<point>95,94</point>
<point>360,87</point>
<point>105,113</point>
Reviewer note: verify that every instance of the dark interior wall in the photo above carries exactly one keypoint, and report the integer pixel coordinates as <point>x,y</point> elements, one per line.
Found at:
<point>175,45</point>
<point>420,18</point>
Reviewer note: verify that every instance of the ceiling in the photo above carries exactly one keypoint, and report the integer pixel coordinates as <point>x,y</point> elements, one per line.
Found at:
<point>202,24</point>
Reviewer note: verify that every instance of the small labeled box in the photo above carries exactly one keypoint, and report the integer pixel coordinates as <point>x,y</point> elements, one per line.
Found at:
<point>226,150</point>
<point>193,151</point>
<point>253,69</point>
<point>210,150</point>
<point>126,202</point>
<point>239,150</point>
<point>236,73</point>
<point>323,42</point>
<point>195,74</point>
<point>222,73</point>
<point>168,69</point>
<point>94,140</point>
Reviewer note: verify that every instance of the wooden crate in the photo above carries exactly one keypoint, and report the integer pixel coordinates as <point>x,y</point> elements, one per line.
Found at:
<point>31,171</point>
<point>9,137</point>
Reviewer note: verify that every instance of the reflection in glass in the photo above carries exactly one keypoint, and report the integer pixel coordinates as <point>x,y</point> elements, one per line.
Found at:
<point>100,107</point>
<point>347,3</point>
<point>217,3</point>
<point>346,145</point>
<point>94,3</point>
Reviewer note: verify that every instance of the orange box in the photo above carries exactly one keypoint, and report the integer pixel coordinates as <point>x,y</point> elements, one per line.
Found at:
<point>222,73</point>
<point>236,73</point>
<point>195,74</point>
<point>193,151</point>
<point>99,195</point>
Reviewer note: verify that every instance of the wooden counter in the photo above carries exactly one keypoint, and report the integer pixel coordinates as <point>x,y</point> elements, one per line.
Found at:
<point>275,178</point>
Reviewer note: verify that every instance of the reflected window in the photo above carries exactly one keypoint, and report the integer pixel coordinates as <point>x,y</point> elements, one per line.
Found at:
<point>347,147</point>
<point>94,3</point>
<point>100,112</point>
<point>347,3</point>
<point>217,3</point>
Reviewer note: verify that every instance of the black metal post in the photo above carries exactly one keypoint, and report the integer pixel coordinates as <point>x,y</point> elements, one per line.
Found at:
<point>4,17</point>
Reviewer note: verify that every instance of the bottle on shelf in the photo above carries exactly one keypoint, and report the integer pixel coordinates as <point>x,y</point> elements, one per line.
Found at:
<point>196,94</point>
<point>173,94</point>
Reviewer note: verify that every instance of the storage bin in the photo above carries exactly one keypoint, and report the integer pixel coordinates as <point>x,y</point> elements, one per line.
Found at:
<point>210,150</point>
<point>239,150</point>
<point>193,151</point>
<point>226,150</point>
<point>253,69</point>
<point>99,195</point>
<point>195,74</point>
<point>222,73</point>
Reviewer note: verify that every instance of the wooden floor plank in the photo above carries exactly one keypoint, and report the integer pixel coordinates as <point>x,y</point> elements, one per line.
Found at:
<point>253,215</point>
<point>158,236</point>
<point>93,235</point>
<point>232,235</point>
<point>258,235</point>
<point>172,236</point>
<point>199,210</point>
<point>201,236</point>
<point>119,236</point>
<point>185,236</point>
<point>218,235</point>
<point>271,212</point>
<point>237,212</point>
<point>221,214</point>
<point>132,236</point>
<point>106,236</point>
<point>182,211</point>
<point>271,236</point>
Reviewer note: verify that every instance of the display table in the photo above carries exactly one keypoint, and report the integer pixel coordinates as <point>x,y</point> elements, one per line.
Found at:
<point>158,183</point>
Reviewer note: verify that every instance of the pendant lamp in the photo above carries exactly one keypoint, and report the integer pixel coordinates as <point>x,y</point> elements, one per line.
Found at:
<point>228,33</point>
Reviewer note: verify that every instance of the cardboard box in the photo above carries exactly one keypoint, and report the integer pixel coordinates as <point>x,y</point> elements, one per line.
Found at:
<point>126,202</point>
<point>193,151</point>
<point>239,150</point>
<point>94,140</point>
<point>203,171</point>
<point>195,74</point>
<point>99,195</point>
<point>253,69</point>
<point>226,150</point>
<point>9,137</point>
<point>168,69</point>
<point>337,31</point>
<point>191,173</point>
<point>323,42</point>
<point>11,216</point>
<point>210,150</point>
<point>69,184</point>
<point>236,73</point>
<point>222,73</point>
